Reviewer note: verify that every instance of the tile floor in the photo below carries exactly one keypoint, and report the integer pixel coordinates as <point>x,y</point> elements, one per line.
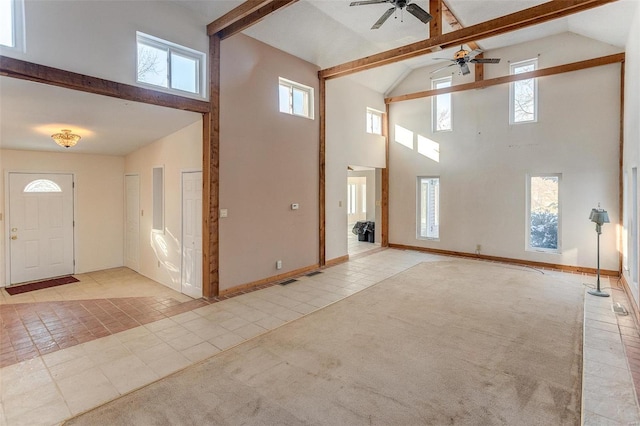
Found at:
<point>355,247</point>
<point>167,332</point>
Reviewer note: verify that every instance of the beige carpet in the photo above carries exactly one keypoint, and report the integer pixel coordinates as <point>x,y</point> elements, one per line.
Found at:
<point>452,342</point>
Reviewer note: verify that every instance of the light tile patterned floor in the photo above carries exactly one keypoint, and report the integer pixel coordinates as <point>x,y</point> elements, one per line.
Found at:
<point>50,387</point>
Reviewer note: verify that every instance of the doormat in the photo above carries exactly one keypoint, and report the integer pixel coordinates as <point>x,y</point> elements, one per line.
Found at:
<point>39,285</point>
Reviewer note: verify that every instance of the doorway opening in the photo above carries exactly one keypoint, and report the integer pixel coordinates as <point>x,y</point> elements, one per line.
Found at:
<point>363,209</point>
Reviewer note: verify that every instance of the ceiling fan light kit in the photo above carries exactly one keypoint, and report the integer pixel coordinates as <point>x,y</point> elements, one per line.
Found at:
<point>401,5</point>
<point>462,58</point>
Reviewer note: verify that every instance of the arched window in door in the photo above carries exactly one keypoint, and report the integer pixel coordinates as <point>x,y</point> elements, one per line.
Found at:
<point>42,185</point>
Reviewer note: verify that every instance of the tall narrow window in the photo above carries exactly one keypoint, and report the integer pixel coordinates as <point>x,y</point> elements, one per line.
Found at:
<point>543,212</point>
<point>165,64</point>
<point>441,106</point>
<point>429,207</point>
<point>295,98</point>
<point>11,23</point>
<point>158,198</point>
<point>523,97</point>
<point>374,121</point>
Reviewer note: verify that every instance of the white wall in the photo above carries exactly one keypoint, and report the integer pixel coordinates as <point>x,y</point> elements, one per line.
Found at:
<point>347,143</point>
<point>98,38</point>
<point>268,160</point>
<point>98,203</point>
<point>160,252</point>
<point>484,161</point>
<point>631,135</point>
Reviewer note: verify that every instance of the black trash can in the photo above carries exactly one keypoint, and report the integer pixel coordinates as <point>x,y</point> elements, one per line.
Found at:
<point>371,234</point>
<point>359,230</point>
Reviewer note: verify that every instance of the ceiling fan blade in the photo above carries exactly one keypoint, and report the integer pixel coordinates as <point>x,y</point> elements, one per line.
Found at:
<point>465,69</point>
<point>383,18</point>
<point>440,69</point>
<point>365,2</point>
<point>486,60</point>
<point>474,53</point>
<point>443,59</point>
<point>419,13</point>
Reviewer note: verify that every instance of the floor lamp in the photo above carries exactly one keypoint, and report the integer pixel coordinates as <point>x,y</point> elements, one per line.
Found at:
<point>599,217</point>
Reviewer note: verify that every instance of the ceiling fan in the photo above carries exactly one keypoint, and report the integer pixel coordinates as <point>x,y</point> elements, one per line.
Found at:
<point>463,57</point>
<point>412,8</point>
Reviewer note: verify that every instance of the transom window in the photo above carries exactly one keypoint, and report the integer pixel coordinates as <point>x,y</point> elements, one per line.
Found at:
<point>523,97</point>
<point>374,121</point>
<point>441,106</point>
<point>429,207</point>
<point>543,212</point>
<point>11,23</point>
<point>165,64</point>
<point>42,185</point>
<point>295,98</point>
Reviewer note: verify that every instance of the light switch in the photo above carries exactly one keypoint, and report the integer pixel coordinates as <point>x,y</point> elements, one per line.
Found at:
<point>340,203</point>
<point>224,212</point>
<point>295,206</point>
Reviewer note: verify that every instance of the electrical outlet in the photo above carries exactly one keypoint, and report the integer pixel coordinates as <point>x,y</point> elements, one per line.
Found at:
<point>478,248</point>
<point>340,203</point>
<point>278,264</point>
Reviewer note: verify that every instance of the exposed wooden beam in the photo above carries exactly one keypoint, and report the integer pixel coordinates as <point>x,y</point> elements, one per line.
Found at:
<point>531,16</point>
<point>479,71</point>
<point>384,202</point>
<point>211,178</point>
<point>574,66</point>
<point>435,25</point>
<point>24,70</point>
<point>234,15</point>
<point>263,9</point>
<point>322,173</point>
<point>455,24</point>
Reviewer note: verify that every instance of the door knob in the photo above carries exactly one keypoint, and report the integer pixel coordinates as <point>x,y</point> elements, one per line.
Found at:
<point>14,237</point>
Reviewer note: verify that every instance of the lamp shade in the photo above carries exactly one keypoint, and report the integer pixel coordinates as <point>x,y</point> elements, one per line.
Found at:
<point>599,216</point>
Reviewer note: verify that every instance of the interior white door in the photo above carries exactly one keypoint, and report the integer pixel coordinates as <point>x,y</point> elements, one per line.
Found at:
<point>192,234</point>
<point>132,219</point>
<point>40,225</point>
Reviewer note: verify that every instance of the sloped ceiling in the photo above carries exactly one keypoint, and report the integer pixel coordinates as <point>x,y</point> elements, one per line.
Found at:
<point>323,32</point>
<point>330,32</point>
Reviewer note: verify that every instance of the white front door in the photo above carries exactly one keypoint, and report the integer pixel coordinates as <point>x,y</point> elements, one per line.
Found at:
<point>132,222</point>
<point>192,234</point>
<point>40,226</point>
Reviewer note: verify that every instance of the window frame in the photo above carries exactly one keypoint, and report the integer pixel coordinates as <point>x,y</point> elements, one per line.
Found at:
<point>172,48</point>
<point>528,247</point>
<point>17,27</point>
<point>512,91</point>
<point>292,85</point>
<point>419,235</point>
<point>369,121</point>
<point>435,100</point>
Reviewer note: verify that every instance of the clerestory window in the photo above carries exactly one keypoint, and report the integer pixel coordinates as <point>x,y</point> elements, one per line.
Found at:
<point>523,97</point>
<point>165,64</point>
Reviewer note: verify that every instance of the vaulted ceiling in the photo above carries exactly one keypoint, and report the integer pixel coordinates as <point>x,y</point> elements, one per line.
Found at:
<point>330,32</point>
<point>323,32</point>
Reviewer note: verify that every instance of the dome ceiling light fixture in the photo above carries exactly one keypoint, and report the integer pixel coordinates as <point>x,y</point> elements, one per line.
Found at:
<point>66,138</point>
